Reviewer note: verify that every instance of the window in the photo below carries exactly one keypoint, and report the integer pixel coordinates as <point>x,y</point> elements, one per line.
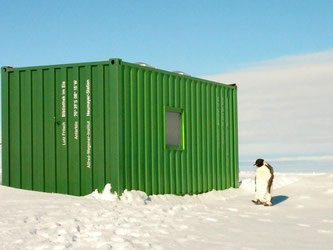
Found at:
<point>174,129</point>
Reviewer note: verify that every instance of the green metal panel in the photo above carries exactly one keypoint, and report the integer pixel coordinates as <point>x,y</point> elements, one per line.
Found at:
<point>5,125</point>
<point>26,130</point>
<point>209,157</point>
<point>49,130</point>
<point>73,128</point>
<point>14,130</point>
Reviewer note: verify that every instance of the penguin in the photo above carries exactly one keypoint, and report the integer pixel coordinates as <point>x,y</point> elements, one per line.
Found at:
<point>263,183</point>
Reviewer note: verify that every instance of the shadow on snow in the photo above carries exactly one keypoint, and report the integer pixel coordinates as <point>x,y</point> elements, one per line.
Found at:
<point>278,199</point>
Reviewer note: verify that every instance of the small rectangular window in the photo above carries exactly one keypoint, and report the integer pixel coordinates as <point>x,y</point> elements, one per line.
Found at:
<point>174,128</point>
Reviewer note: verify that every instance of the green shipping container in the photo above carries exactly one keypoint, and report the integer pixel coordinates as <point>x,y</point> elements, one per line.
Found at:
<point>73,128</point>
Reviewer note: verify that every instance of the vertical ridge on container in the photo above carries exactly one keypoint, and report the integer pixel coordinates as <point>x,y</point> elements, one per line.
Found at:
<point>107,124</point>
<point>236,139</point>
<point>5,126</point>
<point>140,96</point>
<point>14,133</point>
<point>26,140</point>
<point>49,130</point>
<point>207,132</point>
<point>223,135</point>
<point>164,103</point>
<point>159,175</point>
<point>134,132</point>
<point>218,139</point>
<point>125,74</point>
<point>193,137</point>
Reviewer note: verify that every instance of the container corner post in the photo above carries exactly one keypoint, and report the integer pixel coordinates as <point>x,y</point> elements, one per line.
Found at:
<point>115,61</point>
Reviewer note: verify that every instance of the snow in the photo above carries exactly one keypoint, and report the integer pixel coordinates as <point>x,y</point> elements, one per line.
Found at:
<point>301,218</point>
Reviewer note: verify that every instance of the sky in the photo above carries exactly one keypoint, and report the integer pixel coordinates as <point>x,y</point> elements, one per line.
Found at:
<point>198,37</point>
<point>280,53</point>
<point>285,111</point>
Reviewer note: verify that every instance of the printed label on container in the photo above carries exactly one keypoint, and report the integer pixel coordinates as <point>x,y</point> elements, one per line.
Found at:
<point>63,113</point>
<point>88,144</point>
<point>76,99</point>
<point>218,110</point>
<point>63,99</point>
<point>63,133</point>
<point>76,109</point>
<point>88,114</point>
<point>76,130</point>
<point>88,97</point>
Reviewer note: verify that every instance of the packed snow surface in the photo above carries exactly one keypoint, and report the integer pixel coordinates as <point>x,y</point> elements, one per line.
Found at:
<point>301,218</point>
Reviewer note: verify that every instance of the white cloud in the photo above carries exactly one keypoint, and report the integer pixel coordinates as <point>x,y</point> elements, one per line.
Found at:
<point>300,158</point>
<point>304,59</point>
<point>285,106</point>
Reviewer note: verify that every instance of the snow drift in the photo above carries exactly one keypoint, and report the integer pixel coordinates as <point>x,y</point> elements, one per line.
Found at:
<point>301,218</point>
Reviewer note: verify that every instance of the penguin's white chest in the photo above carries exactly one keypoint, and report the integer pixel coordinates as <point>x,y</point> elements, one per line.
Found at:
<point>263,174</point>
<point>262,177</point>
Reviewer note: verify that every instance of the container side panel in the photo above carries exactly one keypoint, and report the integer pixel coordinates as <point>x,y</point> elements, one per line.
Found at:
<point>116,131</point>
<point>176,96</point>
<point>181,153</point>
<point>73,131</point>
<point>126,145</point>
<point>160,141</point>
<point>224,138</point>
<point>165,98</point>
<point>154,133</point>
<point>141,138</point>
<point>213,137</point>
<point>49,130</point>
<point>201,144</point>
<point>186,89</point>
<point>203,137</point>
<point>194,138</point>
<point>5,126</point>
<point>14,131</point>
<point>133,131</point>
<point>63,127</point>
<point>199,137</point>
<point>61,130</point>
<point>227,121</point>
<point>98,126</point>
<point>171,154</point>
<point>218,138</point>
<point>208,159</point>
<point>207,132</point>
<point>26,129</point>
<point>229,133</point>
<point>231,138</point>
<point>235,127</point>
<point>185,154</point>
<point>147,129</point>
<point>107,123</point>
<point>169,162</point>
<point>37,130</point>
<point>121,120</point>
<point>85,129</point>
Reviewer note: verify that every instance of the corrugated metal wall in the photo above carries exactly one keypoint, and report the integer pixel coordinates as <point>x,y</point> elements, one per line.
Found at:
<point>210,158</point>
<point>56,121</point>
<point>73,128</point>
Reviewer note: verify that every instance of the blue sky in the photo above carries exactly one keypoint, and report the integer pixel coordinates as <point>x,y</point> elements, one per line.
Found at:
<point>198,37</point>
<point>280,54</point>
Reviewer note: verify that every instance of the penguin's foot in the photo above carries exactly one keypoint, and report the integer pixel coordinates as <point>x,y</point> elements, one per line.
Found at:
<point>257,202</point>
<point>266,204</point>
